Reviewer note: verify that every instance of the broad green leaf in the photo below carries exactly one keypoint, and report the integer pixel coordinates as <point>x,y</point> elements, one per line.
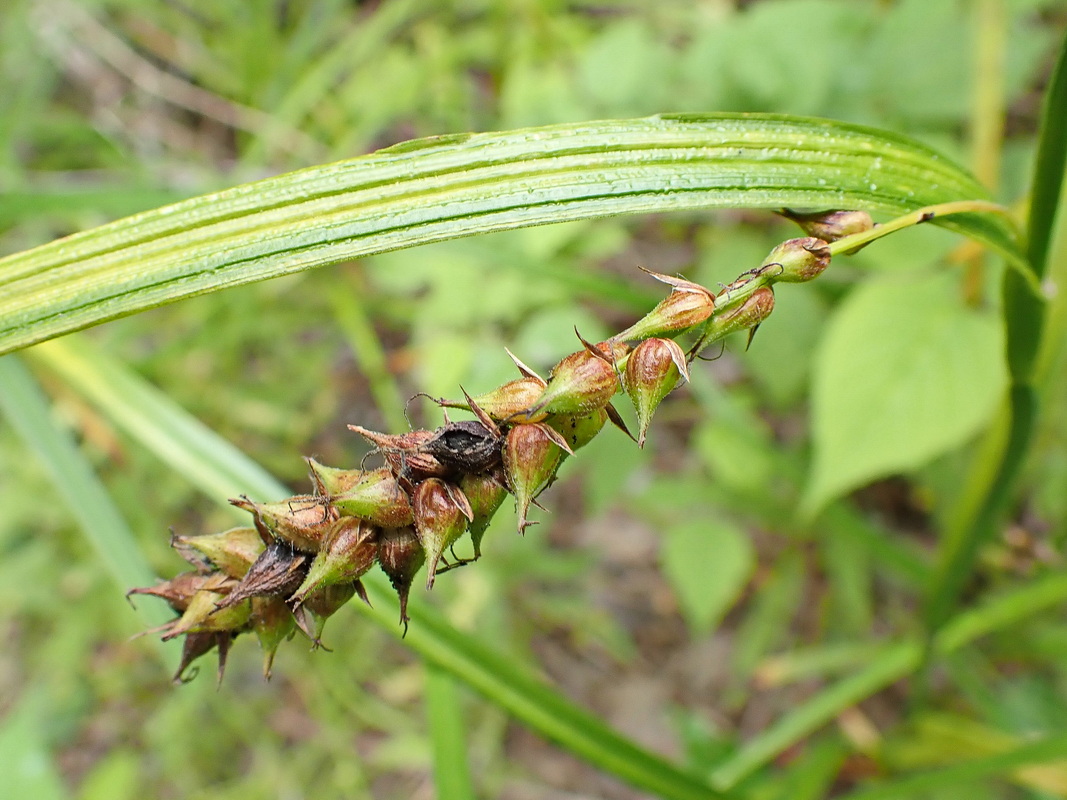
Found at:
<point>905,372</point>
<point>458,185</point>
<point>708,562</point>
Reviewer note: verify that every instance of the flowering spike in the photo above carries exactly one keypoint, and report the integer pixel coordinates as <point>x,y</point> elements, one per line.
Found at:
<point>401,556</point>
<point>348,552</point>
<point>652,371</point>
<point>378,498</point>
<point>800,260</point>
<point>531,457</point>
<point>439,520</point>
<point>302,521</point>
<point>232,551</point>
<point>687,305</point>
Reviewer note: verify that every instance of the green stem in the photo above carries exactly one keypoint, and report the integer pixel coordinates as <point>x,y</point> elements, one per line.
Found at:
<point>1024,313</point>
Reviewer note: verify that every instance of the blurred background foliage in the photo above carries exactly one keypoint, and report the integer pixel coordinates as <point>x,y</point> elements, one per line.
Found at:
<point>675,590</point>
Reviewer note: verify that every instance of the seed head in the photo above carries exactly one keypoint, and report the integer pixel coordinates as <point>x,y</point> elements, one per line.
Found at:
<point>273,623</point>
<point>198,644</point>
<point>404,454</point>
<point>747,316</point>
<point>579,429</point>
<point>318,606</point>
<point>507,400</point>
<point>204,616</point>
<point>580,383</point>
<point>330,481</point>
<point>180,590</point>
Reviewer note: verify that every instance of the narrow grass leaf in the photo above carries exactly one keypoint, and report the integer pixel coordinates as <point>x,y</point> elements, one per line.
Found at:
<point>450,186</point>
<point>29,412</point>
<point>929,782</point>
<point>448,734</point>
<point>896,662</point>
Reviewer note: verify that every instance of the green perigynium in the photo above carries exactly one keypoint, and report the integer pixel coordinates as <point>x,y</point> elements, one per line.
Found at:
<point>303,557</point>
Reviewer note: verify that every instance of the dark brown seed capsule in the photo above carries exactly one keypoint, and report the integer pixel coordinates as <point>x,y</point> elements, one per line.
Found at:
<point>466,446</point>
<point>278,572</point>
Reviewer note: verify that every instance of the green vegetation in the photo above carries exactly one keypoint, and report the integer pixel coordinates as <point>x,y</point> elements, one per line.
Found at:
<point>835,568</point>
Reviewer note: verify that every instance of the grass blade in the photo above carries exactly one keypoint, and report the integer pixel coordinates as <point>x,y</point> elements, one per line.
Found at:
<point>451,186</point>
<point>1024,318</point>
<point>451,772</point>
<point>28,410</point>
<point>893,664</point>
<point>928,782</point>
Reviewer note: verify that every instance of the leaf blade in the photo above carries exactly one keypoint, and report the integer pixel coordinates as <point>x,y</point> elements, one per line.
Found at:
<point>451,186</point>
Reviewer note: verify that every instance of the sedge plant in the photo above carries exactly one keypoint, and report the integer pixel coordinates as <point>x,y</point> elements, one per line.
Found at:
<point>300,559</point>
